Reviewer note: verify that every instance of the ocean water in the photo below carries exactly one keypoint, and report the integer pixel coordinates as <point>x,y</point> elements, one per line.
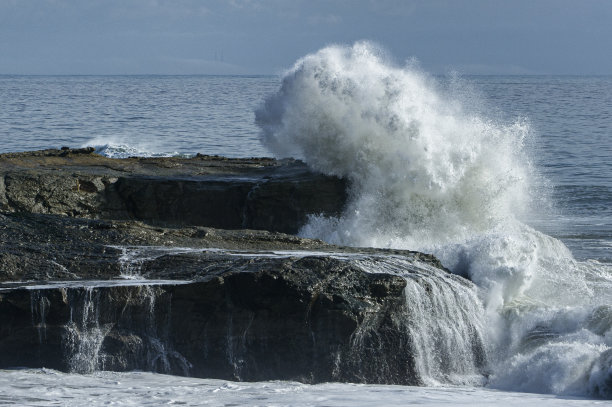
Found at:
<point>507,179</point>
<point>133,115</point>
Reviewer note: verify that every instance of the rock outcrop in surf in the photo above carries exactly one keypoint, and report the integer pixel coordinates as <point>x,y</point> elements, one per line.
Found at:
<point>82,291</point>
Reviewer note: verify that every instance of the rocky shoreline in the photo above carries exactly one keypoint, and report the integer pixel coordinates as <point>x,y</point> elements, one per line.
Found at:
<point>184,266</point>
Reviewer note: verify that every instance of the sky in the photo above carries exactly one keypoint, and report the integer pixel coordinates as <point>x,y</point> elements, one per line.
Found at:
<point>268,36</point>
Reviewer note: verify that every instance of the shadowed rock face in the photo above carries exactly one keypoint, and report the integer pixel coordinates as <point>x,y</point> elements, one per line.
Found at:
<point>310,319</point>
<point>256,193</point>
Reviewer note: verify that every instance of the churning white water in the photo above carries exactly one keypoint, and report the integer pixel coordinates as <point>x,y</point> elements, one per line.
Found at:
<point>44,387</point>
<point>431,172</point>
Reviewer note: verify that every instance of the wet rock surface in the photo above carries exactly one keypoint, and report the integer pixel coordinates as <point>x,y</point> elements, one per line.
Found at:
<point>310,319</point>
<point>82,291</point>
<point>35,247</point>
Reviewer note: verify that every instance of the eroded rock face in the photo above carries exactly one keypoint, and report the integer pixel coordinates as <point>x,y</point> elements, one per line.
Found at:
<point>200,191</point>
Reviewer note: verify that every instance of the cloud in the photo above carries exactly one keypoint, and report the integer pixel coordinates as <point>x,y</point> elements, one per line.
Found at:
<point>246,4</point>
<point>401,8</point>
<point>167,9</point>
<point>328,19</point>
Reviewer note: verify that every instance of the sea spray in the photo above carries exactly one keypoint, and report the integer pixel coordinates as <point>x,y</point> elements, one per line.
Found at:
<point>424,173</point>
<point>428,173</point>
<point>125,147</point>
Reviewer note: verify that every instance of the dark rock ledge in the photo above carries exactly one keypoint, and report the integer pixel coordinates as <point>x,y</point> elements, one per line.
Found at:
<point>165,290</point>
<point>255,193</point>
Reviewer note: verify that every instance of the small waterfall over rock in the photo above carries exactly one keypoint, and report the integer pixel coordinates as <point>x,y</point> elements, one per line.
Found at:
<point>444,319</point>
<point>84,332</point>
<point>103,326</point>
<point>39,307</point>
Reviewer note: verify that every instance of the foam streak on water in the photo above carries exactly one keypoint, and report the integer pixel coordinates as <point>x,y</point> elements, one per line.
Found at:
<point>430,171</point>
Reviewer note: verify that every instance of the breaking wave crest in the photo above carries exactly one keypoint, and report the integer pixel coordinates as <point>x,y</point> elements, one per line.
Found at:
<point>121,147</point>
<point>429,171</point>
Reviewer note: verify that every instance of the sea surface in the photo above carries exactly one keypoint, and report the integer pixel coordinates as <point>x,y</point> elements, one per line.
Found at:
<point>570,118</point>
<point>134,115</point>
<point>507,179</point>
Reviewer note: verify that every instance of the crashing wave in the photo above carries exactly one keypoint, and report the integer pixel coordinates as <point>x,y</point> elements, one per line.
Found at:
<point>430,172</point>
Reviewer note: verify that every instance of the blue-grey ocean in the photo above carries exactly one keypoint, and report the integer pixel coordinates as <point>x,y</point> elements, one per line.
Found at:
<point>570,138</point>
<point>507,179</point>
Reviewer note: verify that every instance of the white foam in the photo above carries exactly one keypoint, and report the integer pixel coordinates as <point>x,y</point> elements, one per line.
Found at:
<point>125,146</point>
<point>48,387</point>
<point>136,255</point>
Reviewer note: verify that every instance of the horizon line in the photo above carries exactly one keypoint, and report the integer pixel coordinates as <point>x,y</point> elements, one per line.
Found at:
<point>278,74</point>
